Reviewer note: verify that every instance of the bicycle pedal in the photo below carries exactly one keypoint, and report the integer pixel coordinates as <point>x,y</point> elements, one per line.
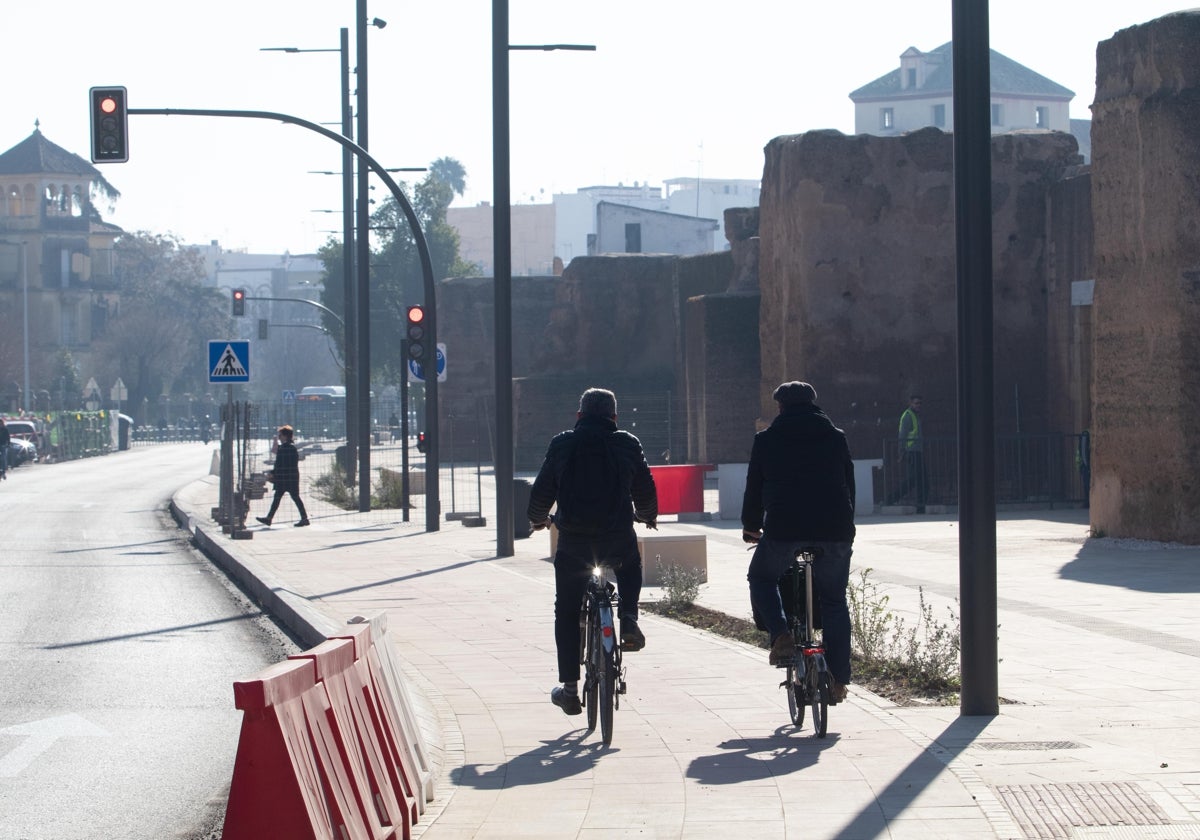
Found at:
<point>621,687</point>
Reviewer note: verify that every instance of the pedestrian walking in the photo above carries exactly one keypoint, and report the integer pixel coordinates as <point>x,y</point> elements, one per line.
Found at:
<point>285,475</point>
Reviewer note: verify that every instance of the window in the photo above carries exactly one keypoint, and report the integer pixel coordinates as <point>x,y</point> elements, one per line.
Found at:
<point>633,238</point>
<point>910,77</point>
<point>1041,116</point>
<point>939,116</point>
<point>997,114</point>
<point>887,118</point>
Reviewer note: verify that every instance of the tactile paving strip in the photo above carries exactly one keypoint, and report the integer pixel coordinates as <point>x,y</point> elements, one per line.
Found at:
<point>1056,811</point>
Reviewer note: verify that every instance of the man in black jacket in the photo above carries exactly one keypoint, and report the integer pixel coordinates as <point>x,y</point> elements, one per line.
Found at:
<point>800,493</point>
<point>598,476</point>
<point>285,473</point>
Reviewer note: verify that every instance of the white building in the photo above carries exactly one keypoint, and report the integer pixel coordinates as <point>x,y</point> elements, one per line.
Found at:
<point>919,93</point>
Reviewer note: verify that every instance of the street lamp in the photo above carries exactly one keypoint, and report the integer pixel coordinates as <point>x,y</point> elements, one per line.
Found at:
<point>502,256</point>
<point>349,349</point>
<point>363,251</point>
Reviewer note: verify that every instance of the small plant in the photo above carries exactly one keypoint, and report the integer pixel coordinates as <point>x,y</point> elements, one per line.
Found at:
<point>681,585</point>
<point>331,487</point>
<point>924,656</point>
<point>870,619</point>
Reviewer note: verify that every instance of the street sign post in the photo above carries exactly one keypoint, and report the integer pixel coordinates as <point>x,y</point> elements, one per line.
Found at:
<point>228,361</point>
<point>416,371</point>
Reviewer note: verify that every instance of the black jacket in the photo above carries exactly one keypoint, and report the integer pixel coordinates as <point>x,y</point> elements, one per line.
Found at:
<point>800,483</point>
<point>286,468</point>
<point>636,481</point>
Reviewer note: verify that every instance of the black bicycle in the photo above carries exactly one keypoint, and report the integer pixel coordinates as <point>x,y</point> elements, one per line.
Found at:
<point>600,653</point>
<point>808,680</point>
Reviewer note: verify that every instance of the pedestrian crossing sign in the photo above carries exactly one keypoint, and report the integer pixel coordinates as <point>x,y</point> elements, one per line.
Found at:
<point>228,361</point>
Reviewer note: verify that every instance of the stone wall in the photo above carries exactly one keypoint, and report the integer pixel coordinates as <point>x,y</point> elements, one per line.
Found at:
<point>1146,205</point>
<point>616,322</point>
<point>857,276</point>
<point>466,325</point>
<point>1070,274</point>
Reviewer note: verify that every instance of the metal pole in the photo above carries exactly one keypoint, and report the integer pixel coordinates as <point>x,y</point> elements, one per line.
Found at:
<point>502,257</point>
<point>25,314</point>
<point>363,249</point>
<point>404,488</point>
<point>976,429</point>
<point>349,327</point>
<point>431,460</point>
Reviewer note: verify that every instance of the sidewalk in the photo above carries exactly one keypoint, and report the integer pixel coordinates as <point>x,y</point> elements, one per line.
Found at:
<point>1100,728</point>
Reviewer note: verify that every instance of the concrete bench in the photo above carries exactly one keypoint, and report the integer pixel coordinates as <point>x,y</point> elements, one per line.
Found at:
<point>661,551</point>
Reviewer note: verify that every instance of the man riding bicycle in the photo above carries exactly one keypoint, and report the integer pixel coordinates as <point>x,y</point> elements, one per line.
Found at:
<point>599,477</point>
<point>800,494</point>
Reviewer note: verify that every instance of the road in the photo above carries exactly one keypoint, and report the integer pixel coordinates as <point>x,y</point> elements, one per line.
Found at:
<point>118,646</point>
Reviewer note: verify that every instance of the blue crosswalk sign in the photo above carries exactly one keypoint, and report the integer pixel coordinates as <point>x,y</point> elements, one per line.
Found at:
<point>228,361</point>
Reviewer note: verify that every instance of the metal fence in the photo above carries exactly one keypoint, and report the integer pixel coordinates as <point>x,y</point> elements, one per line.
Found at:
<point>1030,469</point>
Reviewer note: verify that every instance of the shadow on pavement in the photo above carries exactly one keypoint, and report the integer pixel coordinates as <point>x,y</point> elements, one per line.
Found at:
<point>755,759</point>
<point>553,760</point>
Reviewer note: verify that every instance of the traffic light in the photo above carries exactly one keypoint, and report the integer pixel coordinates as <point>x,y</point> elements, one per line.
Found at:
<point>263,329</point>
<point>110,125</point>
<point>239,302</point>
<point>416,334</point>
<point>422,444</point>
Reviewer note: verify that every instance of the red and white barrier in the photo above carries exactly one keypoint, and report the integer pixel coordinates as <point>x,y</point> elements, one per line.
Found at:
<point>330,748</point>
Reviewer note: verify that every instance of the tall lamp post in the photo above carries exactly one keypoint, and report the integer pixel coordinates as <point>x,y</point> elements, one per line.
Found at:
<point>363,261</point>
<point>502,257</point>
<point>349,349</point>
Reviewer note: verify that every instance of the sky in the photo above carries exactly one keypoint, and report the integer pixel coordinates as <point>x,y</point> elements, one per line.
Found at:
<point>675,89</point>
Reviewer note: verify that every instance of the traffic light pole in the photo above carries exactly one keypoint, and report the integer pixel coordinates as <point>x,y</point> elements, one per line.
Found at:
<point>432,500</point>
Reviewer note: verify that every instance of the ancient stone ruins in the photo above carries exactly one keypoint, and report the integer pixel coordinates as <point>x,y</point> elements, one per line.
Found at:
<point>845,277</point>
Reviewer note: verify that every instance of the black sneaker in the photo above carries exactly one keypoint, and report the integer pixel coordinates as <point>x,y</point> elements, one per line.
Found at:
<point>631,635</point>
<point>301,523</point>
<point>569,703</point>
<point>263,519</point>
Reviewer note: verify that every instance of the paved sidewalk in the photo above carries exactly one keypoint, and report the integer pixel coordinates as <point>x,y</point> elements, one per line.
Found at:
<point>1097,738</point>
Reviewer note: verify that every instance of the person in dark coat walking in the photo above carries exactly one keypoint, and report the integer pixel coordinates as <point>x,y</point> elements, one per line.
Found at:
<point>800,493</point>
<point>286,476</point>
<point>598,476</point>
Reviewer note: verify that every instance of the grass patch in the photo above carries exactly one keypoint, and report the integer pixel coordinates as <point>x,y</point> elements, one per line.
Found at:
<point>911,666</point>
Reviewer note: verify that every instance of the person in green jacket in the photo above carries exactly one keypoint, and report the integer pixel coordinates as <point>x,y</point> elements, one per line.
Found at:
<point>911,454</point>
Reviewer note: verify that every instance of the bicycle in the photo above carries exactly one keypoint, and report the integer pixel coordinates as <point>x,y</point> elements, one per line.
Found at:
<point>808,681</point>
<point>600,653</point>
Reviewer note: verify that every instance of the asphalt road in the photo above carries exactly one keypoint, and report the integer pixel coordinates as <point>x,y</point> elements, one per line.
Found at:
<point>118,647</point>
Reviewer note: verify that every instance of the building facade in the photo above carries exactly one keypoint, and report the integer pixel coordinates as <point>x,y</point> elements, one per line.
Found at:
<point>920,94</point>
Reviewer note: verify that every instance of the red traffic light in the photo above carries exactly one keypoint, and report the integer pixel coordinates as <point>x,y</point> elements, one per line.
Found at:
<point>110,125</point>
<point>416,314</point>
<point>239,294</point>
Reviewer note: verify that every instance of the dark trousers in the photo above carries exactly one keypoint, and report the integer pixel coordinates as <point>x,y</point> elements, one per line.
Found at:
<point>914,477</point>
<point>280,492</point>
<point>831,576</point>
<point>573,563</point>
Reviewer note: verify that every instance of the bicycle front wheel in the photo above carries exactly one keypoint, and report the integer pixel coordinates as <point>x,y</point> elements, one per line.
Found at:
<point>607,692</point>
<point>592,666</point>
<point>795,694</point>
<point>818,686</point>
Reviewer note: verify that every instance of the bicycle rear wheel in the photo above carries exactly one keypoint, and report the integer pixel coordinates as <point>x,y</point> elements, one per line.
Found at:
<point>818,688</point>
<point>795,695</point>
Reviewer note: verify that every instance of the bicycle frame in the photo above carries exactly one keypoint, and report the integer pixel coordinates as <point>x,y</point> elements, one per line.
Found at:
<point>600,653</point>
<point>808,677</point>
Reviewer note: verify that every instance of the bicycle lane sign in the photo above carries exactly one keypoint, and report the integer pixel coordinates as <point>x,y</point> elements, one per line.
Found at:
<point>228,361</point>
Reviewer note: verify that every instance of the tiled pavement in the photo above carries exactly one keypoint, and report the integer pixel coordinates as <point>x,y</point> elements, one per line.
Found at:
<point>1097,736</point>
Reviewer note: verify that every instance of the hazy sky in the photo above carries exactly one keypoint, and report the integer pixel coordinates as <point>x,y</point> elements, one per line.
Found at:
<point>675,89</point>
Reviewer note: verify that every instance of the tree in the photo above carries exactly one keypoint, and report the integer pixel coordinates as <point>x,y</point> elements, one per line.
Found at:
<point>157,340</point>
<point>396,278</point>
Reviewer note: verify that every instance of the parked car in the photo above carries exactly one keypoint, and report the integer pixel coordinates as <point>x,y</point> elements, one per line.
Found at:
<point>24,440</point>
<point>21,451</point>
